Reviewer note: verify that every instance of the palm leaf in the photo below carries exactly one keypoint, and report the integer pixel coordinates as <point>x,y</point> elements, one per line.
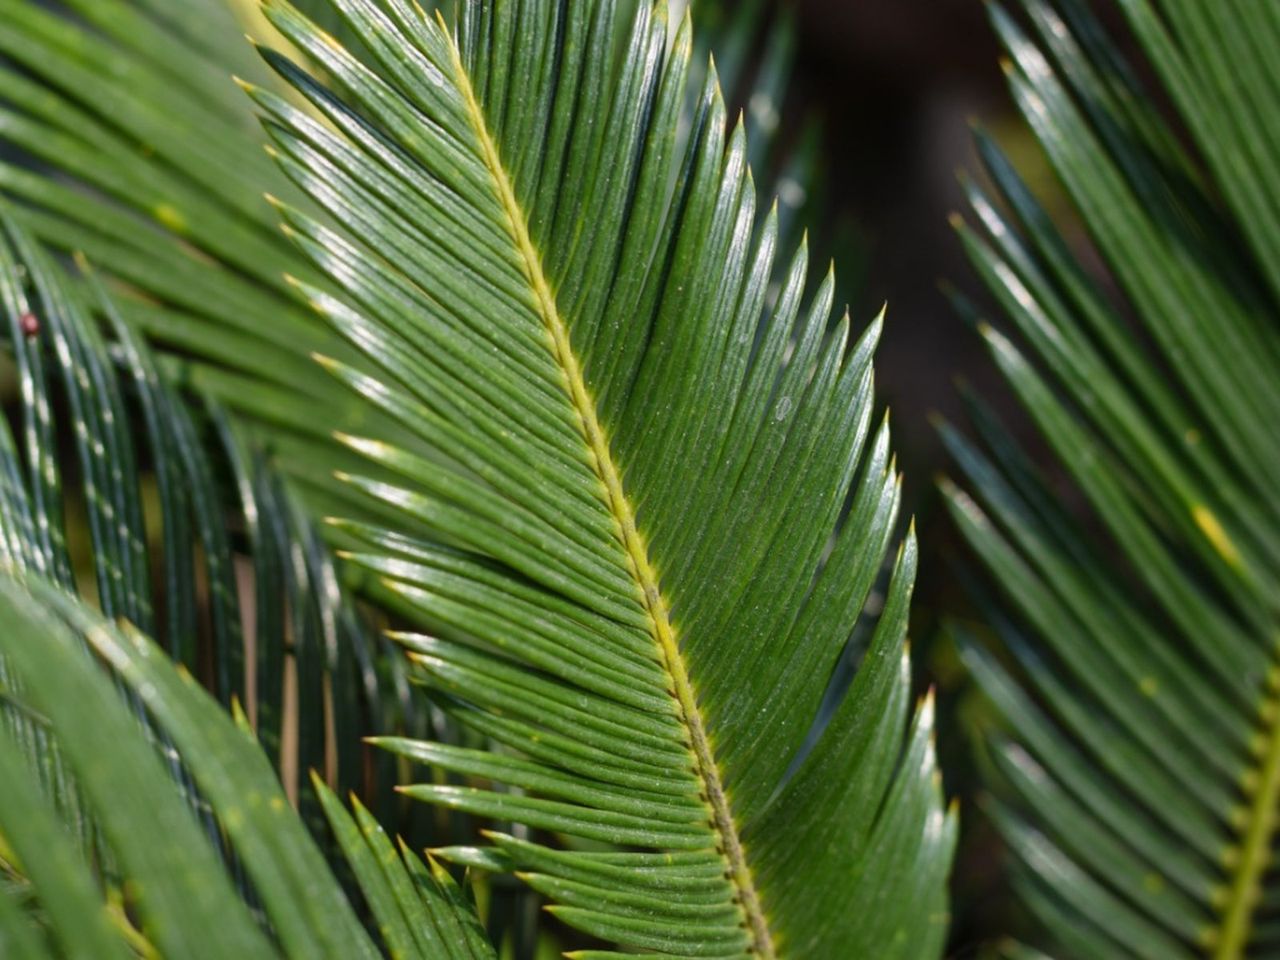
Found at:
<point>160,553</point>
<point>647,523</point>
<point>160,184</point>
<point>159,181</point>
<point>178,891</point>
<point>1140,779</point>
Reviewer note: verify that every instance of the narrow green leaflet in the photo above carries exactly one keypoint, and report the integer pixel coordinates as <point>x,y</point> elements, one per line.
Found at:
<point>418,908</point>
<point>179,890</point>
<point>180,887</point>
<point>652,504</point>
<point>1140,778</point>
<point>79,921</point>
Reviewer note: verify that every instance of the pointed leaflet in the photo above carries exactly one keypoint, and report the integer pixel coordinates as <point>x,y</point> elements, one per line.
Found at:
<point>179,889</point>
<point>1141,793</point>
<point>638,462</point>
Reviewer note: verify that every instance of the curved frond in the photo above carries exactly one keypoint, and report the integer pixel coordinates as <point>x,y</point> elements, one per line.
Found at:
<point>127,141</point>
<point>1143,777</point>
<point>647,521</point>
<point>104,443</point>
<point>176,897</point>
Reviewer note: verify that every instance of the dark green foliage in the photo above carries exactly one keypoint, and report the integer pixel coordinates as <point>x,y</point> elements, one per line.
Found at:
<point>161,502</point>
<point>1141,780</point>
<point>178,891</point>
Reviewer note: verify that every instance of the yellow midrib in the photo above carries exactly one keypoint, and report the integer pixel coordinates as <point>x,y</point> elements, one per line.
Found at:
<point>1231,937</point>
<point>719,814</point>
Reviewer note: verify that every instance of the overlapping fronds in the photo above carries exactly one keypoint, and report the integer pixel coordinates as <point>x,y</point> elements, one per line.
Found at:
<point>236,871</point>
<point>653,507</point>
<point>191,536</point>
<point>620,478</point>
<point>126,140</point>
<point>168,891</point>
<point>1143,763</point>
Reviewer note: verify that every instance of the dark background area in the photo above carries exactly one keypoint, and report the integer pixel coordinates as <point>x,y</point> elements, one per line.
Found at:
<point>896,83</point>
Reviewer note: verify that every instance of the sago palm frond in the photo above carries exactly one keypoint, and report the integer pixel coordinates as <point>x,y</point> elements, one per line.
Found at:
<point>1142,764</point>
<point>178,898</point>
<point>105,445</point>
<point>647,521</point>
<point>128,142</point>
<point>528,549</point>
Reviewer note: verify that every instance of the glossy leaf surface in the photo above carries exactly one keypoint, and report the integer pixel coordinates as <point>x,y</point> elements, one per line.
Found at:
<point>635,559</point>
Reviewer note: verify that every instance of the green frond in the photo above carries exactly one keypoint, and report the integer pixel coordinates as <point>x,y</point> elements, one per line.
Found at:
<point>623,477</point>
<point>104,443</point>
<point>646,521</point>
<point>175,894</point>
<point>158,177</point>
<point>1141,770</point>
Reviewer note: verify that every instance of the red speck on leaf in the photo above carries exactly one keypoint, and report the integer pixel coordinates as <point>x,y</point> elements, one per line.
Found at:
<point>29,324</point>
